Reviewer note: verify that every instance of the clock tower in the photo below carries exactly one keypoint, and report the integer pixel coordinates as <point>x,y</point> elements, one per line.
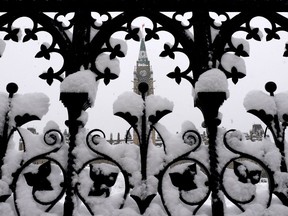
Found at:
<point>143,73</point>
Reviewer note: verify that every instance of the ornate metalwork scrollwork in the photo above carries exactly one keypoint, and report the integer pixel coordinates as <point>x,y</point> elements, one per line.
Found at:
<point>247,171</point>
<point>273,114</point>
<point>140,176</point>
<point>36,174</point>
<point>40,23</point>
<point>88,168</point>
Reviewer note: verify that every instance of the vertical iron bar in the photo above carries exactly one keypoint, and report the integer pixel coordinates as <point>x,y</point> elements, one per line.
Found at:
<point>143,145</point>
<point>69,204</point>
<point>202,39</point>
<point>216,201</point>
<point>11,88</point>
<point>81,37</point>
<point>143,89</point>
<point>207,104</point>
<point>74,112</point>
<point>74,102</point>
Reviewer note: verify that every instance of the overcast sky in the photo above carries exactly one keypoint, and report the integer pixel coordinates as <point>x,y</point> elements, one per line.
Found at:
<point>266,62</point>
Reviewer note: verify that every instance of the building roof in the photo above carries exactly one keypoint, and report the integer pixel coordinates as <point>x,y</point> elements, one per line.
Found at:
<point>257,127</point>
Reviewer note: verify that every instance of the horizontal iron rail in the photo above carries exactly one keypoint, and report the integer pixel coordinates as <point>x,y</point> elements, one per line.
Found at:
<point>156,5</point>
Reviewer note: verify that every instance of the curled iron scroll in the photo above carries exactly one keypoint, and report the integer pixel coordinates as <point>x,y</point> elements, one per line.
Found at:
<point>190,180</point>
<point>247,171</point>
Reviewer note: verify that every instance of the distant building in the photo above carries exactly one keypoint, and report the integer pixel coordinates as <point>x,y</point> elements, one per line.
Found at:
<point>256,133</point>
<point>127,139</point>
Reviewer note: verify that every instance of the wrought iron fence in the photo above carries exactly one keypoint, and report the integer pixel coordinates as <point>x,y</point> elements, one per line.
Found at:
<point>76,176</point>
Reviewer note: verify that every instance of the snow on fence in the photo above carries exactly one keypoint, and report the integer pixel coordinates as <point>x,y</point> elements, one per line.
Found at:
<point>81,173</point>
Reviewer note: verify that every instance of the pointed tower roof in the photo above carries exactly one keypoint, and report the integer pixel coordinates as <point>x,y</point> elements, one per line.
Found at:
<point>142,57</point>
<point>142,45</point>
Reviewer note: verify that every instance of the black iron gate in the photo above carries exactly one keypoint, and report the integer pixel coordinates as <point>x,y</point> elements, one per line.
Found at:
<point>63,176</point>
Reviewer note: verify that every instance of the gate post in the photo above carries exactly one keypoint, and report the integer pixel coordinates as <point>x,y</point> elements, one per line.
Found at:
<point>11,88</point>
<point>75,104</point>
<point>209,103</point>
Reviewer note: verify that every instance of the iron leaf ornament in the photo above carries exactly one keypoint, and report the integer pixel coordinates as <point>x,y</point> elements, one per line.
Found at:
<point>168,51</point>
<point>29,35</point>
<point>253,33</point>
<point>21,120</point>
<point>133,34</point>
<point>49,76</point>
<point>245,175</point>
<point>235,75</point>
<point>44,52</point>
<point>185,181</point>
<point>143,203</point>
<point>271,34</point>
<point>39,180</point>
<point>117,52</point>
<point>151,34</point>
<point>176,75</point>
<point>240,51</point>
<point>158,115</point>
<point>107,76</point>
<point>101,182</point>
<point>12,35</point>
<point>132,120</point>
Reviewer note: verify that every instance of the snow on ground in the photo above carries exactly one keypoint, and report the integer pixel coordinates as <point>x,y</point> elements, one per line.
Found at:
<point>276,207</point>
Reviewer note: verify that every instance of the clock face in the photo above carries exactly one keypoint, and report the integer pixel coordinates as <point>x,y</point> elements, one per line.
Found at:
<point>142,54</point>
<point>143,73</point>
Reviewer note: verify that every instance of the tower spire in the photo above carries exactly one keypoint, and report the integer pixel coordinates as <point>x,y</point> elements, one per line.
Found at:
<point>142,57</point>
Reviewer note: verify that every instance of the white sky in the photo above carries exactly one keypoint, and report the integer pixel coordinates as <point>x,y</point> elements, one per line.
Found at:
<point>266,62</point>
